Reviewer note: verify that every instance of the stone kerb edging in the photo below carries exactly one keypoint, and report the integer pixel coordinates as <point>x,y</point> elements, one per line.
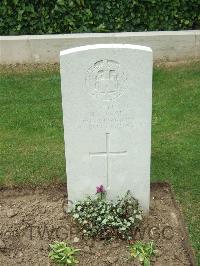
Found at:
<point>166,45</point>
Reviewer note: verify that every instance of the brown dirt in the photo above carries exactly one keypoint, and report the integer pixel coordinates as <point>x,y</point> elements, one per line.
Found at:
<point>171,64</point>
<point>31,219</point>
<point>26,68</point>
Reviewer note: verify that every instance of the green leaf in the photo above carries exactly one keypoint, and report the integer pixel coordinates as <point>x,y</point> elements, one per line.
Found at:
<point>61,2</point>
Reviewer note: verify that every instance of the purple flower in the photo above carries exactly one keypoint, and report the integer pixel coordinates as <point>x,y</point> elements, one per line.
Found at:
<point>101,189</point>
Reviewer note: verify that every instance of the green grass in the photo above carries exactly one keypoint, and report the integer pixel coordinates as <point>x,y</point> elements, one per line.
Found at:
<point>32,148</point>
<point>176,138</point>
<point>31,134</point>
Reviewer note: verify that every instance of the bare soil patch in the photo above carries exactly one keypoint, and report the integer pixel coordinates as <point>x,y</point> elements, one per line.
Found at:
<point>26,68</point>
<point>31,219</point>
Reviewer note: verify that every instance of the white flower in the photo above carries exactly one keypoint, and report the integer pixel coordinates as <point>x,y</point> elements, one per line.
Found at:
<point>139,217</point>
<point>76,215</point>
<point>79,208</point>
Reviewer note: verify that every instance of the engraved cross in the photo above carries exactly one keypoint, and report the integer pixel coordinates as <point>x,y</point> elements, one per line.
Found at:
<point>107,154</point>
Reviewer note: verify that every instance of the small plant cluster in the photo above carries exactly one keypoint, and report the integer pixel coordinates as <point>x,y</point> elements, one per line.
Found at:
<point>143,251</point>
<point>62,254</point>
<point>104,219</point>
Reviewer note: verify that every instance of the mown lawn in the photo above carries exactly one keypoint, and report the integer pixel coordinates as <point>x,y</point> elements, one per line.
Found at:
<point>31,132</point>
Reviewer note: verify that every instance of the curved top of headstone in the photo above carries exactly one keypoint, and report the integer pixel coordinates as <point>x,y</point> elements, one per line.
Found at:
<point>104,46</point>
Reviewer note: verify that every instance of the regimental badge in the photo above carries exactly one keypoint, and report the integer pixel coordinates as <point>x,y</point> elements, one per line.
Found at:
<point>105,80</point>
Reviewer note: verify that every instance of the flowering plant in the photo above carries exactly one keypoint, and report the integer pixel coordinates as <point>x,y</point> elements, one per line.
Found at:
<point>101,192</point>
<point>104,219</point>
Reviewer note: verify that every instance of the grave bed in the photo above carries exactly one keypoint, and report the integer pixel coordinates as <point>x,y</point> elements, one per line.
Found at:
<point>32,218</point>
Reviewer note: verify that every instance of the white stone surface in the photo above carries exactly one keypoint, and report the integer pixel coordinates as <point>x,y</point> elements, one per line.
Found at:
<point>167,45</point>
<point>106,99</point>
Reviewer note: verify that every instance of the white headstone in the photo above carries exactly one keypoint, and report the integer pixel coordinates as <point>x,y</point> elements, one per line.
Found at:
<point>107,102</point>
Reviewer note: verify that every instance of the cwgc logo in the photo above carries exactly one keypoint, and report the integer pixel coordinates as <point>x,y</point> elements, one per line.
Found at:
<point>105,80</point>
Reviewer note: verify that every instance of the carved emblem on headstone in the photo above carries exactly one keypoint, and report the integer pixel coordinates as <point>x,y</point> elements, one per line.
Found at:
<point>105,80</point>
